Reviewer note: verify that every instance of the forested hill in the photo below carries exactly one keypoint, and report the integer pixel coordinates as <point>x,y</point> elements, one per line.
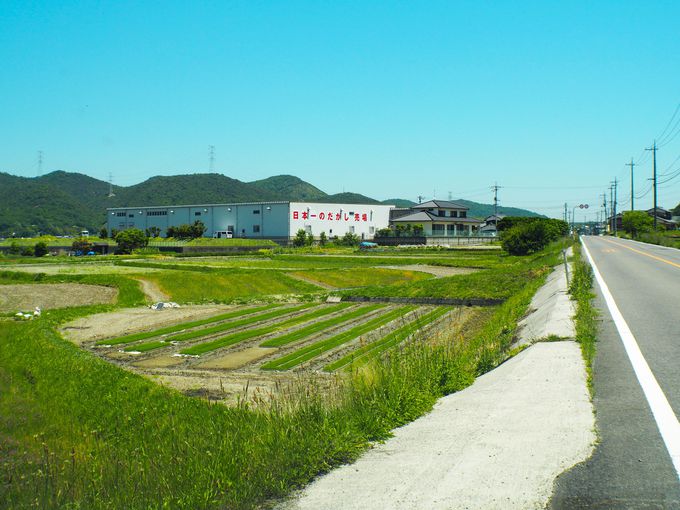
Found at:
<point>61,202</point>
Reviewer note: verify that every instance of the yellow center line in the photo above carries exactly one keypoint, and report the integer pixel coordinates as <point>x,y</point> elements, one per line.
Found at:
<point>643,253</point>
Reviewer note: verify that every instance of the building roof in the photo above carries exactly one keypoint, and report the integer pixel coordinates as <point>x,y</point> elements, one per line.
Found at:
<point>494,217</point>
<point>440,204</point>
<point>425,216</point>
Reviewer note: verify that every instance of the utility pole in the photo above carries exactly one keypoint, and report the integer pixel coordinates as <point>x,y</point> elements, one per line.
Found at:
<point>211,148</point>
<point>614,203</point>
<point>654,148</point>
<point>495,189</point>
<point>604,204</point>
<point>632,194</point>
<point>565,211</point>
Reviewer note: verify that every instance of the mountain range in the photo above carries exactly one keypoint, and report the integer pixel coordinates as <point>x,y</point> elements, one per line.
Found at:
<point>62,202</point>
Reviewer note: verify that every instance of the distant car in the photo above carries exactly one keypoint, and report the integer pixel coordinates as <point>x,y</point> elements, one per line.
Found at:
<point>365,245</point>
<point>223,234</point>
<point>91,253</point>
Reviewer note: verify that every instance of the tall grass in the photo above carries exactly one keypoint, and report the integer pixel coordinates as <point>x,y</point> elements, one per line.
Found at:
<point>586,314</point>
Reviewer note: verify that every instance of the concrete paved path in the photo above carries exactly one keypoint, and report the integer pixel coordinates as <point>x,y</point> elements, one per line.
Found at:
<point>498,444</point>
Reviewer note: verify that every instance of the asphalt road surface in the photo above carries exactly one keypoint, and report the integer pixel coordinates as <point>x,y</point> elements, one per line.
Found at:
<point>637,461</point>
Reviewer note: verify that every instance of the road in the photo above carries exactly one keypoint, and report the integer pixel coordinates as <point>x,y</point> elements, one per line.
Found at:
<point>637,461</point>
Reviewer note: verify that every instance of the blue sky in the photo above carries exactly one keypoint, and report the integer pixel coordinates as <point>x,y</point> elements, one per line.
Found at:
<point>388,99</point>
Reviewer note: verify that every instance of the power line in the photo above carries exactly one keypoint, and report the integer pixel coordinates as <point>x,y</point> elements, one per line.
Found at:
<point>677,109</point>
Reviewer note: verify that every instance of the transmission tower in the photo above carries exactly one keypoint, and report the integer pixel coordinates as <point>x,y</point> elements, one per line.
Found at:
<point>40,162</point>
<point>211,148</point>
<point>111,193</point>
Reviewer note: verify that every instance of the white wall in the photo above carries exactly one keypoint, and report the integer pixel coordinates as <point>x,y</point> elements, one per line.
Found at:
<point>338,219</point>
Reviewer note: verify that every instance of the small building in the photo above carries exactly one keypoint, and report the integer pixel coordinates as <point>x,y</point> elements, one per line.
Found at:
<point>490,225</point>
<point>439,218</point>
<point>258,220</point>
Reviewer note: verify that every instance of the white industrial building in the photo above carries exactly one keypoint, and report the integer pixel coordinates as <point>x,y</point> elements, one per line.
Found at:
<point>259,220</point>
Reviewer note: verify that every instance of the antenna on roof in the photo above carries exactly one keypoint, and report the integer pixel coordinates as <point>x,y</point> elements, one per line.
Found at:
<point>420,199</point>
<point>211,164</point>
<point>111,193</point>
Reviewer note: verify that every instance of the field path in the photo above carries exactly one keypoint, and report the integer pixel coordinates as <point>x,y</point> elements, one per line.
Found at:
<point>152,291</point>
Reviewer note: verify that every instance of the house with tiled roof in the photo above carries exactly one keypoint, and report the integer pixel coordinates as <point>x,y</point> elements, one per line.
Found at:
<point>439,218</point>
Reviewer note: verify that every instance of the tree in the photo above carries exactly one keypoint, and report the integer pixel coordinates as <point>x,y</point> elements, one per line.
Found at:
<point>349,239</point>
<point>636,222</point>
<point>103,233</point>
<point>81,245</point>
<point>153,232</point>
<point>323,239</point>
<point>40,249</point>
<point>197,229</point>
<point>14,248</point>
<point>186,231</point>
<point>130,239</point>
<point>525,238</point>
<point>300,238</point>
<point>114,233</point>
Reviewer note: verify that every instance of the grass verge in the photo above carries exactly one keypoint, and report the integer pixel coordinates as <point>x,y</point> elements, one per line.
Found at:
<point>586,315</point>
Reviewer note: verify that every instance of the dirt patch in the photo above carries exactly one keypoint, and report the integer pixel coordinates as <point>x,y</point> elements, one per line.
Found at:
<point>437,271</point>
<point>160,362</point>
<point>152,291</point>
<point>238,359</point>
<point>79,268</point>
<point>132,320</point>
<point>57,295</point>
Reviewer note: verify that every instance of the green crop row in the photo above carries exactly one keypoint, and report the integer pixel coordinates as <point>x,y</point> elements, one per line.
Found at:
<point>198,349</point>
<point>363,354</point>
<point>219,328</point>
<point>312,351</point>
<point>185,325</point>
<point>319,326</point>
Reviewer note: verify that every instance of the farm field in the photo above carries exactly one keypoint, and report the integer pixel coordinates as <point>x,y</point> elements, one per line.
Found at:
<point>256,384</point>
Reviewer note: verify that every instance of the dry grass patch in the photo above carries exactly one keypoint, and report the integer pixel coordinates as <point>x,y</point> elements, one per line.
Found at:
<point>53,295</point>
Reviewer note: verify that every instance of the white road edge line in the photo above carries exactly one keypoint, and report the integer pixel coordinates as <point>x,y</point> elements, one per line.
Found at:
<point>665,419</point>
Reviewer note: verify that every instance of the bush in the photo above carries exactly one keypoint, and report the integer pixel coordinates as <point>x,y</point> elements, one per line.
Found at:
<point>27,251</point>
<point>525,238</point>
<point>349,239</point>
<point>14,248</point>
<point>323,239</point>
<point>81,245</point>
<point>300,238</point>
<point>40,249</point>
<point>103,233</point>
<point>131,239</point>
<point>187,231</point>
